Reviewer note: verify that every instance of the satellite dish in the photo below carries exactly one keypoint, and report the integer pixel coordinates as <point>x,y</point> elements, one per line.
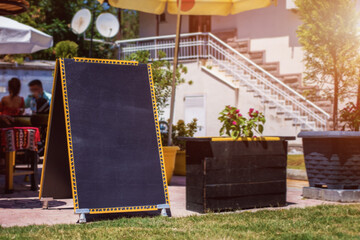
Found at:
<point>107,25</point>
<point>81,21</point>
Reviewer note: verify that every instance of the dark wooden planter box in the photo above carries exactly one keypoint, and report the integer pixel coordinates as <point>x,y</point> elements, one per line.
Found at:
<point>332,159</point>
<point>230,175</point>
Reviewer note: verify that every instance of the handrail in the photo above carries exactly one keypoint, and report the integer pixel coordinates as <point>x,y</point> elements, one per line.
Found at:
<point>158,37</point>
<point>209,43</point>
<point>269,74</point>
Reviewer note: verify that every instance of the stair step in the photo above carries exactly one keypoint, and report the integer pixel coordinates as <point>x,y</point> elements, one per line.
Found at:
<point>242,49</point>
<point>231,39</point>
<point>294,85</point>
<point>242,42</point>
<point>269,66</point>
<point>257,54</point>
<point>291,79</point>
<point>257,61</point>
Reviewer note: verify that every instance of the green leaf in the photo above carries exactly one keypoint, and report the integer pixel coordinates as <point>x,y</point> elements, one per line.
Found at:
<point>261,128</point>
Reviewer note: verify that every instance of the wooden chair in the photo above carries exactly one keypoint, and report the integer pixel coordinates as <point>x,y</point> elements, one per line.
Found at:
<point>13,140</point>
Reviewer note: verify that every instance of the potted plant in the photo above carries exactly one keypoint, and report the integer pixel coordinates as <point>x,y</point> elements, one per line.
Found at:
<point>238,171</point>
<point>181,130</point>
<point>162,77</point>
<point>332,158</point>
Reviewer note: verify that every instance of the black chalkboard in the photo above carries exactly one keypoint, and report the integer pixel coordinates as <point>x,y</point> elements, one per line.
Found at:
<point>103,142</point>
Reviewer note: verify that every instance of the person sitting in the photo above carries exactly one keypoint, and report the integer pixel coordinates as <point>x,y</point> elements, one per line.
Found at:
<point>13,104</point>
<point>39,100</point>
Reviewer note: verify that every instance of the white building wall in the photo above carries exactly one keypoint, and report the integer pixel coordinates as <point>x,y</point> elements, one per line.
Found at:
<point>218,94</point>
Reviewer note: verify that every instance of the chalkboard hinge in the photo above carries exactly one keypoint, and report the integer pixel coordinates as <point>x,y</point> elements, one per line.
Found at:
<point>160,206</point>
<point>163,208</point>
<point>82,210</point>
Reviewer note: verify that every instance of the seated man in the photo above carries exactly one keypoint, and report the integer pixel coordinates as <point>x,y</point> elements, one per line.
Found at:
<point>39,100</point>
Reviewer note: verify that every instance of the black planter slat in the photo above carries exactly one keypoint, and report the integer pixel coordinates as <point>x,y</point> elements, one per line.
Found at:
<point>244,175</point>
<point>224,175</point>
<point>195,194</point>
<point>230,150</point>
<point>244,189</point>
<point>248,161</point>
<point>266,200</point>
<point>196,207</point>
<point>195,180</point>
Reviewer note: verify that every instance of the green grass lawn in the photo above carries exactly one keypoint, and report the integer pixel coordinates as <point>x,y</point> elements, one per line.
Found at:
<point>296,162</point>
<point>321,222</point>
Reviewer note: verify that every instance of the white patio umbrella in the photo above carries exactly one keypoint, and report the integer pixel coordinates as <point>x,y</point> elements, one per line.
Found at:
<point>18,38</point>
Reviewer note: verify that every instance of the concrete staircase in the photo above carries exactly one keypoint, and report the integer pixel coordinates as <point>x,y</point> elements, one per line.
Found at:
<point>292,80</point>
<point>232,61</point>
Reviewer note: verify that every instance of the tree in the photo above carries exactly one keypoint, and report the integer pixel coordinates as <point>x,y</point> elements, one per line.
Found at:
<point>54,17</point>
<point>329,36</point>
<point>162,76</point>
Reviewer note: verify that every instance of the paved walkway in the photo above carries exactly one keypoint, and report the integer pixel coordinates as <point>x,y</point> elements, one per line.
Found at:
<point>24,208</point>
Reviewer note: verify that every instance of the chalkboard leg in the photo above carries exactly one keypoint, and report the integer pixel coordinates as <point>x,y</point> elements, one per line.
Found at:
<point>82,218</point>
<point>82,212</point>
<point>45,202</point>
<point>163,212</point>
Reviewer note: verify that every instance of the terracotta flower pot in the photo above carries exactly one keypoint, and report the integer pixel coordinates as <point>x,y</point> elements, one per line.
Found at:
<point>180,163</point>
<point>169,156</point>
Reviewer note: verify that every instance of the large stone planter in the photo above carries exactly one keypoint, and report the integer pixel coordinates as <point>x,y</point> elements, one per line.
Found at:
<point>222,174</point>
<point>180,163</point>
<point>332,159</point>
<point>169,157</point>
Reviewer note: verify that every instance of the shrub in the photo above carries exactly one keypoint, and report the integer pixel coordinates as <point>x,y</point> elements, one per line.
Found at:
<point>181,130</point>
<point>350,116</point>
<point>66,49</point>
<point>236,125</point>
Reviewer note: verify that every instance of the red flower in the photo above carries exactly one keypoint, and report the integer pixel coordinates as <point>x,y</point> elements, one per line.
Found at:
<point>237,110</point>
<point>234,122</point>
<point>251,110</point>
<point>240,115</point>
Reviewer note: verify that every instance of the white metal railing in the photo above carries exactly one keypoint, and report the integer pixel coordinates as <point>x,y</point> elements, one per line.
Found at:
<point>195,46</point>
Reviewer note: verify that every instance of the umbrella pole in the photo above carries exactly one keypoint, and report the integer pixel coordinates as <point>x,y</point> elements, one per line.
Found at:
<point>173,87</point>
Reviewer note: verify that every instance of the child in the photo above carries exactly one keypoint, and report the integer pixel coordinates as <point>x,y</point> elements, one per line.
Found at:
<point>13,104</point>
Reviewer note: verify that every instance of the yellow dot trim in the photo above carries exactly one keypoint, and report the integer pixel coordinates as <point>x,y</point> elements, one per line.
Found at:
<point>158,134</point>
<point>106,61</point>
<point>222,139</point>
<point>68,134</point>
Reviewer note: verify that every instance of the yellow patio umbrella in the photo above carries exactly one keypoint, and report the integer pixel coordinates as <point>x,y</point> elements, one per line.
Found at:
<point>188,7</point>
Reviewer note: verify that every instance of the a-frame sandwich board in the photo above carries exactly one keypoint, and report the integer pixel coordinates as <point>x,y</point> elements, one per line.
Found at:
<point>103,145</point>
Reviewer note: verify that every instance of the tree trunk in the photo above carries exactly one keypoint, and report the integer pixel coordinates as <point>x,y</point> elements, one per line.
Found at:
<point>358,95</point>
<point>357,127</point>
<point>336,98</point>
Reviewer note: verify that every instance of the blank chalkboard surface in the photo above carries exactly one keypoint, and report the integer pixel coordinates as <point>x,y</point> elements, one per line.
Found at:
<point>103,142</point>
